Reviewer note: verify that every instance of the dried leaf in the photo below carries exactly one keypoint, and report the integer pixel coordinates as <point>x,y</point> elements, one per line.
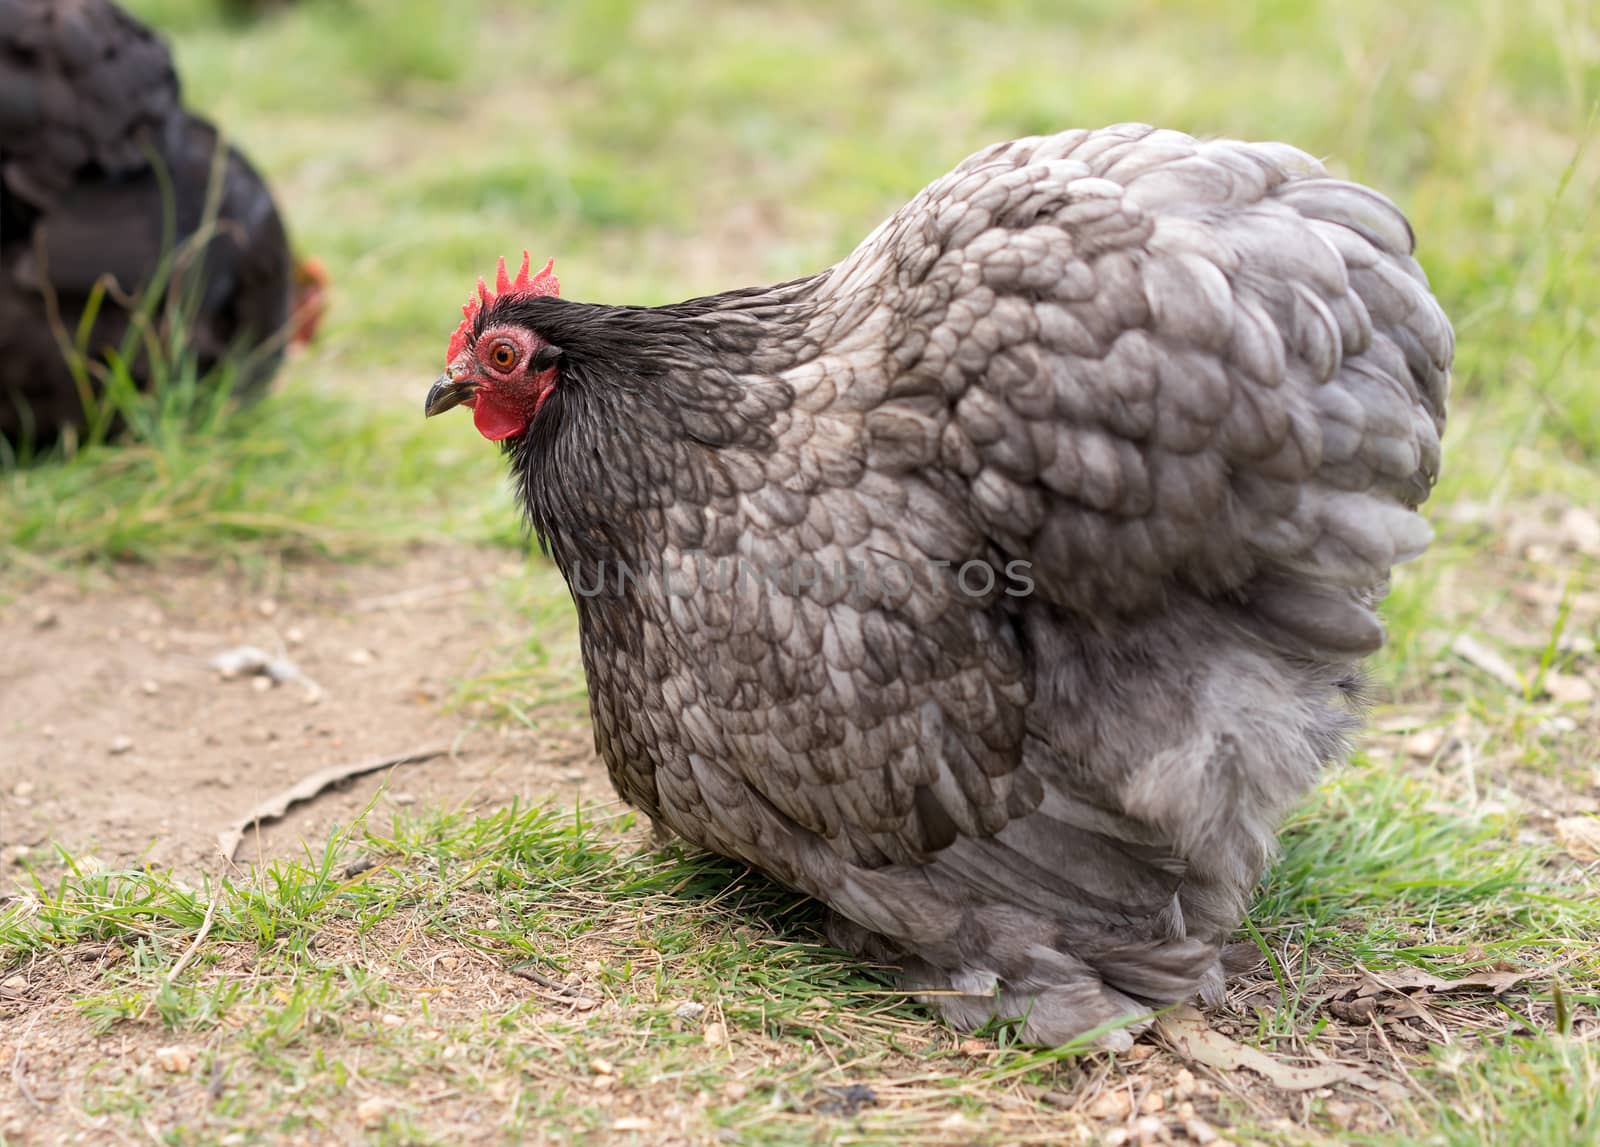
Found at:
<point>1405,979</point>
<point>276,807</point>
<point>1496,982</point>
<point>1184,1030</point>
<point>1404,993</point>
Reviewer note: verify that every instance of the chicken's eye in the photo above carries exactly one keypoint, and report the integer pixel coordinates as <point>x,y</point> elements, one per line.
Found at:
<point>504,356</point>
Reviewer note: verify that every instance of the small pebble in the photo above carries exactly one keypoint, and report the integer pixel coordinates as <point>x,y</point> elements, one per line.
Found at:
<point>689,1011</point>
<point>631,1123</point>
<point>404,798</point>
<point>1342,1112</point>
<point>22,789</point>
<point>392,1021</point>
<point>120,744</point>
<point>714,1034</point>
<point>266,607</point>
<point>294,635</point>
<point>1116,1105</point>
<point>17,983</point>
<point>150,688</point>
<point>371,1112</point>
<point>735,1091</point>
<point>1149,1129</point>
<point>602,1067</point>
<point>1424,744</point>
<point>261,684</point>
<point>176,1060</point>
<point>359,657</point>
<point>44,617</point>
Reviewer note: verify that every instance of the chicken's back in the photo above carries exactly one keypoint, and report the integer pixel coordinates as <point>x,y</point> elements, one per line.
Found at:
<point>1198,388</point>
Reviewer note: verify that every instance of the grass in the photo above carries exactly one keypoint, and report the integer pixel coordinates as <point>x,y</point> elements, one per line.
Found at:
<point>666,150</point>
<point>706,1000</point>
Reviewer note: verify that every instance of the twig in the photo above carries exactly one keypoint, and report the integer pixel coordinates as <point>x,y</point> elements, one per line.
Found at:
<point>194,945</point>
<point>1383,1038</point>
<point>544,981</point>
<point>276,807</point>
<point>18,1075</point>
<point>1488,661</point>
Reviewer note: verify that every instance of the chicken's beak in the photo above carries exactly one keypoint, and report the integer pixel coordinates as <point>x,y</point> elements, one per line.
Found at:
<point>448,391</point>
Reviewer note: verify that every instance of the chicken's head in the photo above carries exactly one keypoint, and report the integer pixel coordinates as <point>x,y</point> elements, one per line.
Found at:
<point>503,372</point>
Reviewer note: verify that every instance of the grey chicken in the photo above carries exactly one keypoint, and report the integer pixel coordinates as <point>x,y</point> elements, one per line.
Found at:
<point>102,173</point>
<point>1003,585</point>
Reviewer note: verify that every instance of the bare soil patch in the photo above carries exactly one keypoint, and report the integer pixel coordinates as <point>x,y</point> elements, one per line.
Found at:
<point>120,740</point>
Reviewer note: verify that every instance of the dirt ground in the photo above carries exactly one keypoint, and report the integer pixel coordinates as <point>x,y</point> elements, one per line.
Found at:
<point>122,741</point>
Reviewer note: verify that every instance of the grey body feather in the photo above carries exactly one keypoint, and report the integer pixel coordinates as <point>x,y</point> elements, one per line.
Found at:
<point>1197,387</point>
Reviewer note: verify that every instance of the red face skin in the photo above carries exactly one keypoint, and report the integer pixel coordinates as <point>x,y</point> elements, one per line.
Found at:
<point>495,374</point>
<point>506,393</point>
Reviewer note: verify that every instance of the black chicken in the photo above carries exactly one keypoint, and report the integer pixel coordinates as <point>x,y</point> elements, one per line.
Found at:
<point>1004,584</point>
<point>98,160</point>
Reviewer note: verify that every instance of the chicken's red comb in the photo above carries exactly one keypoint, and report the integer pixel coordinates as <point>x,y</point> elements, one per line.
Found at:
<point>544,283</point>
